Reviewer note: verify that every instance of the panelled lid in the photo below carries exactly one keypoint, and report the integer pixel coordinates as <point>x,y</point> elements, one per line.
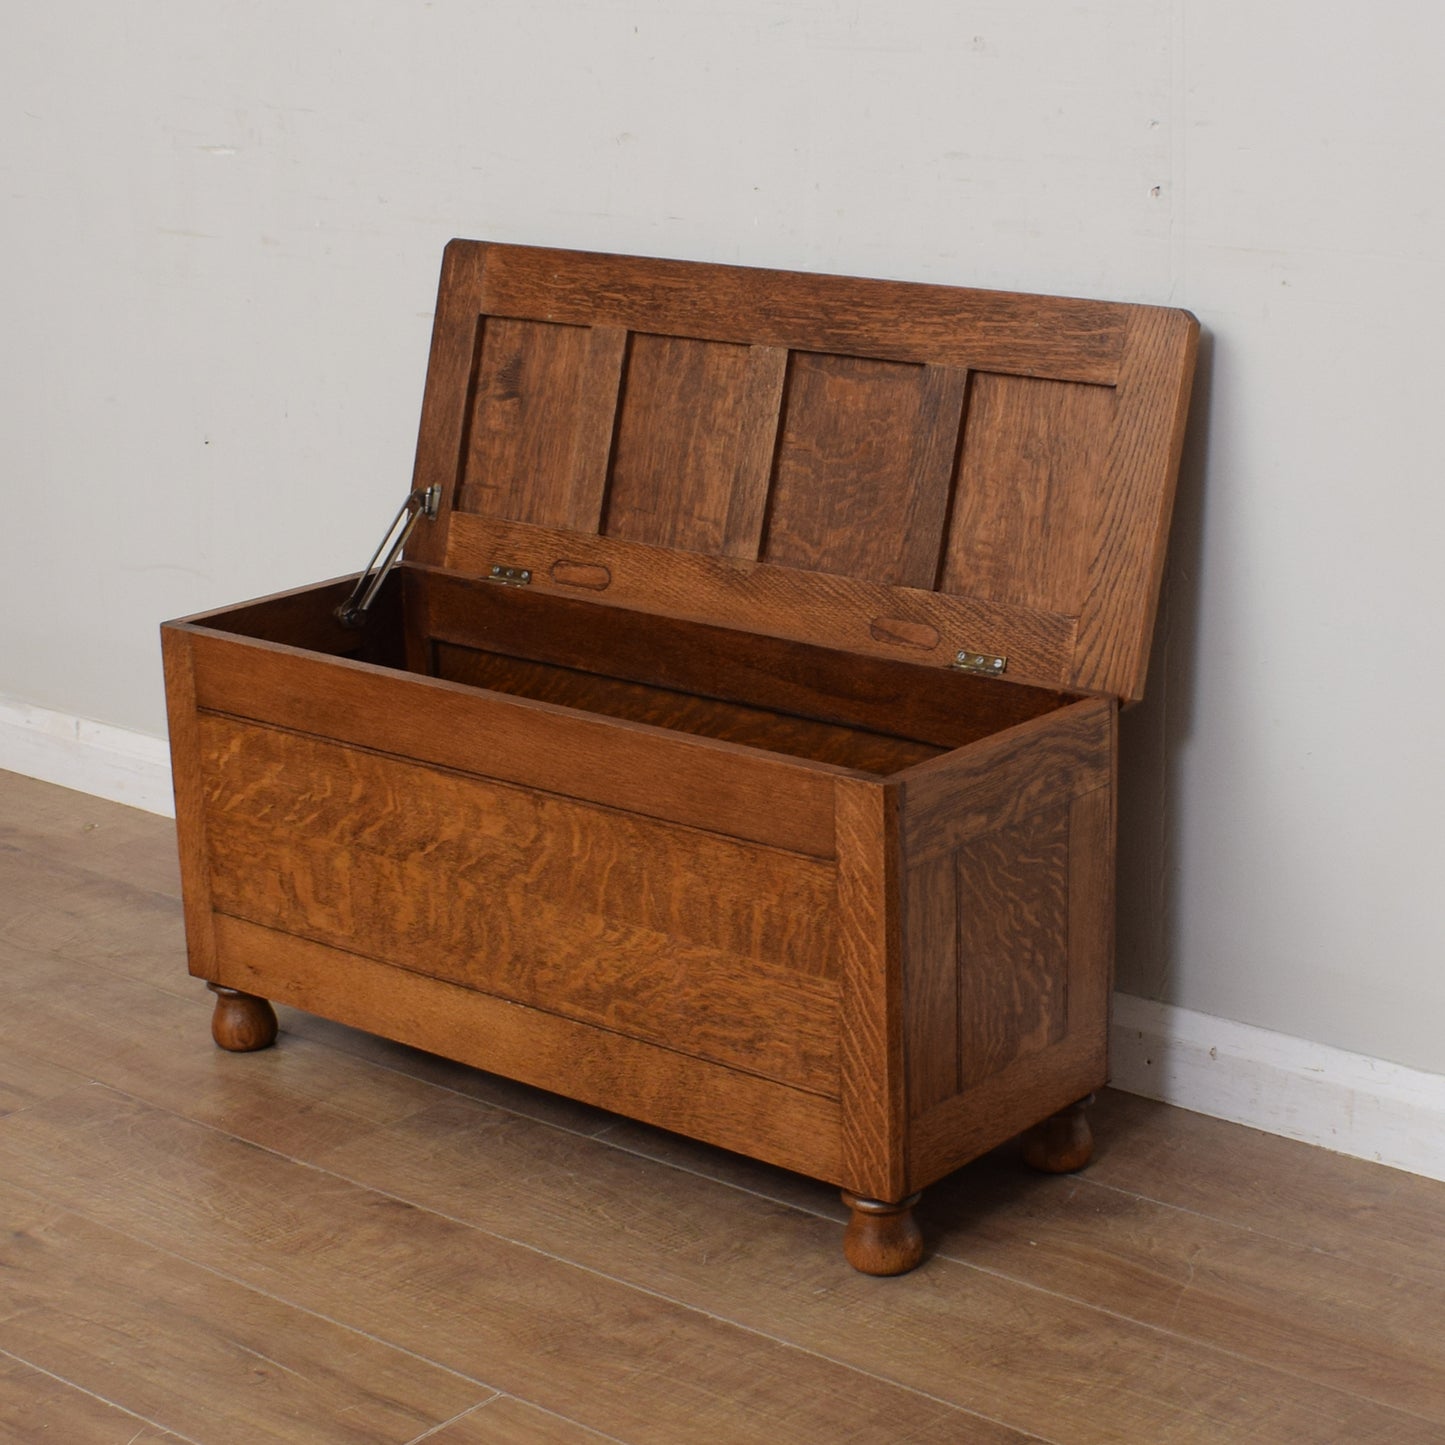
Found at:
<point>892,468</point>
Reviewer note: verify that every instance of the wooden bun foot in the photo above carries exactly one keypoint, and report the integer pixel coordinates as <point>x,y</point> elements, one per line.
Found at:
<point>1062,1143</point>
<point>242,1022</point>
<point>881,1238</point>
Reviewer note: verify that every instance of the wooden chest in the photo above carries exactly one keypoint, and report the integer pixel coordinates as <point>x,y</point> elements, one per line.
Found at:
<point>734,746</point>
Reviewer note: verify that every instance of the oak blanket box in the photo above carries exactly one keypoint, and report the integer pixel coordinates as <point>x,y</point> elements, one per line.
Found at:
<point>733,745</point>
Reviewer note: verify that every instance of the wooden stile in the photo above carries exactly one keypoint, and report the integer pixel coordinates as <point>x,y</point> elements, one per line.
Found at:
<point>647,777</point>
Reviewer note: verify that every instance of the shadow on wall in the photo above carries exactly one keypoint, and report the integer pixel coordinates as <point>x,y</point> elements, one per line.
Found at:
<point>1153,733</point>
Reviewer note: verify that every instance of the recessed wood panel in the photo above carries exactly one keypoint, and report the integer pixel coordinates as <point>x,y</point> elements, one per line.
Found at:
<point>1013,943</point>
<point>694,447</point>
<point>930,986</point>
<point>659,932</point>
<point>541,423</point>
<point>864,468</point>
<point>1029,489</point>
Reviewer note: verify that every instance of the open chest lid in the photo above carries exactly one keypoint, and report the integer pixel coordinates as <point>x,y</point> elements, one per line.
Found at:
<point>904,470</point>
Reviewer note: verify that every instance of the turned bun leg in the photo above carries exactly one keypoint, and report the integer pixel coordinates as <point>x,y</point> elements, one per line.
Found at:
<point>881,1238</point>
<point>1062,1143</point>
<point>242,1021</point>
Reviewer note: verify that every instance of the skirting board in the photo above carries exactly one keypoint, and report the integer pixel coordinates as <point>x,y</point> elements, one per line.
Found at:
<point>1348,1102</point>
<point>91,757</point>
<point>1321,1095</point>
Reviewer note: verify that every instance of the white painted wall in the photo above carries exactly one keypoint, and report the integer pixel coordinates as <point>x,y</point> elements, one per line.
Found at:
<point>220,235</point>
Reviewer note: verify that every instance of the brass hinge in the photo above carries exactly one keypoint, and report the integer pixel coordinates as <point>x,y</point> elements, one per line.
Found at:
<point>510,576</point>
<point>979,662</point>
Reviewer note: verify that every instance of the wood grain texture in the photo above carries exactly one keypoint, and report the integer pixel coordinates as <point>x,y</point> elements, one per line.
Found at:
<point>505,1421</point>
<point>870,948</point>
<point>996,1109</point>
<point>682,712</point>
<point>627,1363</point>
<point>864,469</point>
<point>1067,466</point>
<point>791,1127</point>
<point>694,451</point>
<point>1131,528</point>
<point>683,938</point>
<point>896,321</point>
<point>1013,945</point>
<point>180,682</point>
<point>1028,490</point>
<point>450,393</point>
<point>931,981</point>
<point>702,782</point>
<point>1065,483</point>
<point>1092,824</point>
<point>36,1406</point>
<point>306,617</point>
<point>540,433</point>
<point>1331,1325</point>
<point>943,707</point>
<point>1204,1281</point>
<point>87,1302</point>
<point>1006,778</point>
<point>823,609</point>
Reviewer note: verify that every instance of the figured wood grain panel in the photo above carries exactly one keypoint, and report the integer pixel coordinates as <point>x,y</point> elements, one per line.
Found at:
<point>776,601</point>
<point>1029,486</point>
<point>870,948</point>
<point>695,444</point>
<point>899,321</point>
<point>664,933</point>
<point>930,981</point>
<point>717,786</point>
<point>792,1128</point>
<point>1131,527</point>
<point>682,712</point>
<point>1005,779</point>
<point>1013,943</point>
<point>541,427</point>
<point>864,467</point>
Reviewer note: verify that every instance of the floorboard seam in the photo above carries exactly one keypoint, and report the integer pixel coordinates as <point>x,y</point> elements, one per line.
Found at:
<point>104,1400</point>
<point>244,1283</point>
<point>1198,1344</point>
<point>570,1264</point>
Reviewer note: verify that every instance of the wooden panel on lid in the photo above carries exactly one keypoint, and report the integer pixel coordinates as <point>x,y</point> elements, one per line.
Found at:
<point>541,425</point>
<point>695,445</point>
<point>1014,454</point>
<point>1028,489</point>
<point>865,467</point>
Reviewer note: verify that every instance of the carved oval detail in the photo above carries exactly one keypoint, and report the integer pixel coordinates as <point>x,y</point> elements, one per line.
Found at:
<point>581,574</point>
<point>904,631</point>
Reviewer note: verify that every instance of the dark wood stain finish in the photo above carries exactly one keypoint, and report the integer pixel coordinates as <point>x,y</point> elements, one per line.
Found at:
<point>700,824</point>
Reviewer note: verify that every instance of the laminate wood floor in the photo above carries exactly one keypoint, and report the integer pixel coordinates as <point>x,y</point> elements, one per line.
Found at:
<point>342,1240</point>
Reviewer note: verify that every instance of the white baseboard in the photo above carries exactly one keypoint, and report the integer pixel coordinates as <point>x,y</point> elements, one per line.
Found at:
<point>91,757</point>
<point>1348,1102</point>
<point>1321,1095</point>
